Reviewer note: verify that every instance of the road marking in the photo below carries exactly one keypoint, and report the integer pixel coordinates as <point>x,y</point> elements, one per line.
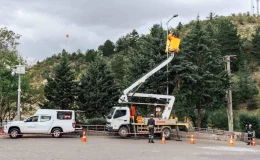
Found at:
<point>234,149</point>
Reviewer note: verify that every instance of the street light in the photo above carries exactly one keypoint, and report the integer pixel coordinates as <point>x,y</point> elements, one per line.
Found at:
<point>168,50</point>
<point>229,95</point>
<point>18,69</point>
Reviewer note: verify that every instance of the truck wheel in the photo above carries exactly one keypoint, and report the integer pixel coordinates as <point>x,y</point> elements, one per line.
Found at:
<point>167,133</point>
<point>56,133</point>
<point>14,133</point>
<point>123,132</point>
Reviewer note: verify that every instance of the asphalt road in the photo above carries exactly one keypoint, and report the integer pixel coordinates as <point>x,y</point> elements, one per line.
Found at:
<point>108,148</point>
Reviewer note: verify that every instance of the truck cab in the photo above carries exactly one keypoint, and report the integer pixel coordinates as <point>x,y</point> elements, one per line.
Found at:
<point>118,119</point>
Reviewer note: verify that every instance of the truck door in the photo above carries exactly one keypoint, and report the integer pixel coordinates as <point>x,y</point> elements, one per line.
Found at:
<point>120,117</point>
<point>45,123</point>
<point>31,125</point>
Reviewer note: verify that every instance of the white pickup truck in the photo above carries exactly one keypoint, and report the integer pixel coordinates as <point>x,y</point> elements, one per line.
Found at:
<point>44,121</point>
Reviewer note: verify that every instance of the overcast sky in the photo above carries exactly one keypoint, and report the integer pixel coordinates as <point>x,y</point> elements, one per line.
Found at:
<point>44,24</point>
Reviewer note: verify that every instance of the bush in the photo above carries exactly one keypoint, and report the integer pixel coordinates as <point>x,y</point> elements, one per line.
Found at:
<point>219,119</point>
<point>96,121</point>
<point>252,104</point>
<point>253,119</point>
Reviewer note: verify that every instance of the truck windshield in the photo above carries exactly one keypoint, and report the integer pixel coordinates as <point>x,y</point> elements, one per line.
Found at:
<point>110,114</point>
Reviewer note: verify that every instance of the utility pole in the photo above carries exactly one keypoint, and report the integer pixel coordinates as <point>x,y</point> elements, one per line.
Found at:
<point>18,69</point>
<point>252,7</point>
<point>229,95</point>
<point>257,7</point>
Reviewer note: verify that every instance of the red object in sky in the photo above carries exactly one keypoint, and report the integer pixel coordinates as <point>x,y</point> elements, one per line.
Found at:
<point>67,35</point>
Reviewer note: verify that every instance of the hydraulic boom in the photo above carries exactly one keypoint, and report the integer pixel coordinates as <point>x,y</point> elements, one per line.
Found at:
<point>124,98</point>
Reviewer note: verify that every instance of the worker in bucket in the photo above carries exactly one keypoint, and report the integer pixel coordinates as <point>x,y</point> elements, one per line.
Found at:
<point>173,42</point>
<point>151,125</point>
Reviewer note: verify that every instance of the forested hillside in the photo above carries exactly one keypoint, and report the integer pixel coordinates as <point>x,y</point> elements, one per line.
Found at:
<point>93,80</point>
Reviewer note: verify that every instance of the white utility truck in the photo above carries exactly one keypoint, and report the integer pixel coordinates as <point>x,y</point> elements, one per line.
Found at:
<point>44,121</point>
<point>122,119</point>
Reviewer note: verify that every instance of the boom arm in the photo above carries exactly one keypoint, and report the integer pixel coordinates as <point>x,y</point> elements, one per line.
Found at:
<point>124,98</point>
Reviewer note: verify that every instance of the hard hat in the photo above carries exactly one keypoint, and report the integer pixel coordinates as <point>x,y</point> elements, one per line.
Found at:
<point>151,115</point>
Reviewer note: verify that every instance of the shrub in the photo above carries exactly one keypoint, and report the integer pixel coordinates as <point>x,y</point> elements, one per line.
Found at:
<point>96,121</point>
<point>219,119</point>
<point>253,119</point>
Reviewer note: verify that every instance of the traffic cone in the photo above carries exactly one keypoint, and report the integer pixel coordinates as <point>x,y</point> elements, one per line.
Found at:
<point>84,137</point>
<point>192,140</point>
<point>253,142</point>
<point>163,139</point>
<point>231,141</point>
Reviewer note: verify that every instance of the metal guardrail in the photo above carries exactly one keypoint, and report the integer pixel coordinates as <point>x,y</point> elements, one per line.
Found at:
<point>210,131</point>
<point>94,127</point>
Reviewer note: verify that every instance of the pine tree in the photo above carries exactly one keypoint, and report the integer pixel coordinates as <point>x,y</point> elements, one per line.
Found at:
<point>90,55</point>
<point>125,43</point>
<point>256,43</point>
<point>108,48</point>
<point>244,90</point>
<point>201,68</point>
<point>98,91</point>
<point>148,54</point>
<point>60,90</point>
<point>229,40</point>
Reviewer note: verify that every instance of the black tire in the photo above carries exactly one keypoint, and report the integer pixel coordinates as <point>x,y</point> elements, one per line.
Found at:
<point>123,131</point>
<point>14,133</point>
<point>167,133</point>
<point>56,133</point>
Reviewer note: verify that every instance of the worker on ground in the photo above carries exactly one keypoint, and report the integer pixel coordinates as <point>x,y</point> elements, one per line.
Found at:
<point>250,132</point>
<point>151,125</point>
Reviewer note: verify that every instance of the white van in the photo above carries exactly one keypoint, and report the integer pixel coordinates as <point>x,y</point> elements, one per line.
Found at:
<point>44,121</point>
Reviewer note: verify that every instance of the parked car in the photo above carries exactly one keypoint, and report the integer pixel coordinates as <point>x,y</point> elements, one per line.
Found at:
<point>44,121</point>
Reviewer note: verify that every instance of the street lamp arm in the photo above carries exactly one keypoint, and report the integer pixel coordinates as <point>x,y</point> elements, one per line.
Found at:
<point>171,18</point>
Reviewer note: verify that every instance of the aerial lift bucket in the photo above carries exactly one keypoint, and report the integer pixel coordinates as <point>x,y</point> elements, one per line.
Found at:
<point>175,44</point>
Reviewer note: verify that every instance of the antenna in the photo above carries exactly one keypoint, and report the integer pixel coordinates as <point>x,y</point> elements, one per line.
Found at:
<point>257,3</point>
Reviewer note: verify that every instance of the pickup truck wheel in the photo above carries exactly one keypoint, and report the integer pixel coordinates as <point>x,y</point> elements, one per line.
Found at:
<point>167,133</point>
<point>123,132</point>
<point>14,133</point>
<point>56,133</point>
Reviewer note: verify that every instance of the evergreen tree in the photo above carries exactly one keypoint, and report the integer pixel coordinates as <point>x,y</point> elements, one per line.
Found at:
<point>212,16</point>
<point>256,43</point>
<point>98,91</point>
<point>229,40</point>
<point>90,55</point>
<point>60,90</point>
<point>108,48</point>
<point>204,80</point>
<point>244,90</point>
<point>125,43</point>
<point>148,54</point>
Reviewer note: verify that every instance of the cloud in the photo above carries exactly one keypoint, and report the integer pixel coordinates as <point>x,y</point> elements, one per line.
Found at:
<point>43,24</point>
